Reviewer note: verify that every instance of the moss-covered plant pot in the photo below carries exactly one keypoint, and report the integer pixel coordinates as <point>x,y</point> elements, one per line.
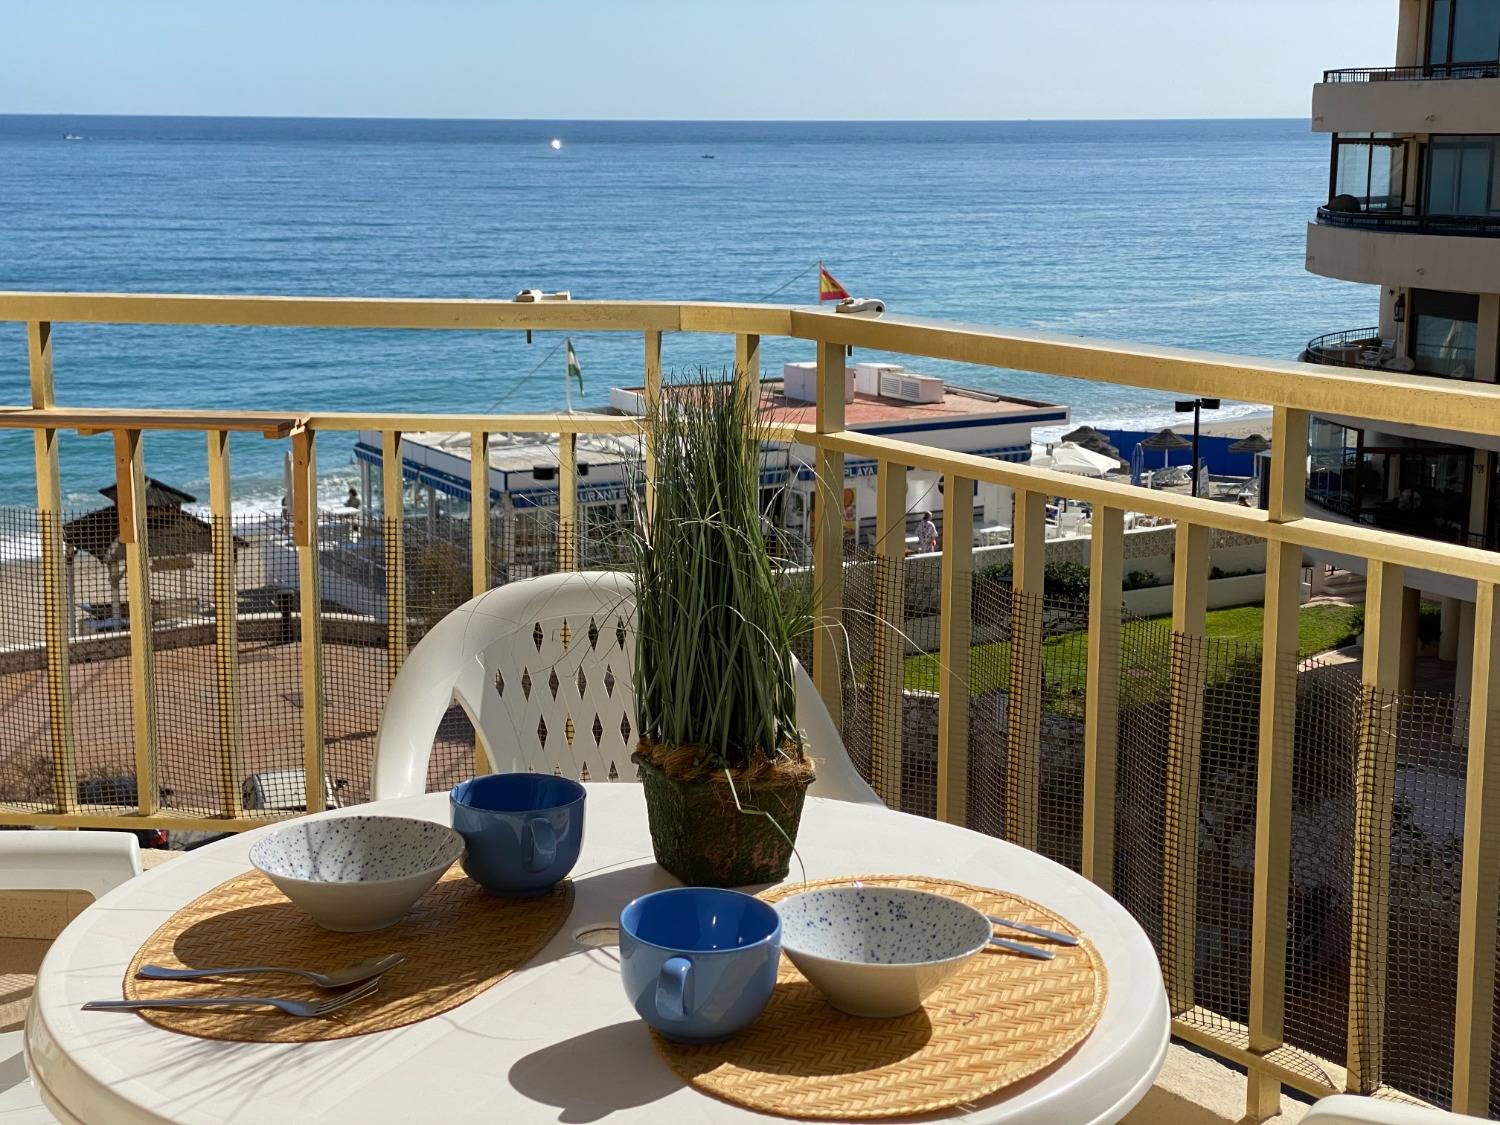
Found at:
<point>705,839</point>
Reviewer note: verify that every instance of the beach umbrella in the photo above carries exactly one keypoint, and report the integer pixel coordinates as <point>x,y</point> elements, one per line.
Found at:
<point>1166,441</point>
<point>1083,435</point>
<point>1254,443</point>
<point>1092,439</point>
<point>171,532</point>
<point>1070,457</point>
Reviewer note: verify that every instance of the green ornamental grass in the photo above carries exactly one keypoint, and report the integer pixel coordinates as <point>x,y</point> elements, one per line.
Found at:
<point>714,627</point>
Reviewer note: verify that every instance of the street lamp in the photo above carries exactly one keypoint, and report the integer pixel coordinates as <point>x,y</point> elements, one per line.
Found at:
<point>1197,406</point>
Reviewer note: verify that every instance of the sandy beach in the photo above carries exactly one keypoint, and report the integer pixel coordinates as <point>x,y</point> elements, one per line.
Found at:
<point>1234,428</point>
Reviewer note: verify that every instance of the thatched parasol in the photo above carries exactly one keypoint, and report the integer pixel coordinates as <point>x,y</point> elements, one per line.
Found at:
<point>1254,443</point>
<point>170,532</point>
<point>1166,441</point>
<point>1095,440</point>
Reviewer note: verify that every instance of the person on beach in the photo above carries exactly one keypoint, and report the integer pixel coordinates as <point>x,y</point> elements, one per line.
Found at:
<point>352,500</point>
<point>927,533</point>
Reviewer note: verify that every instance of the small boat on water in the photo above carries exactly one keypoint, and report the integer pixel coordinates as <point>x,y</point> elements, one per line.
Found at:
<point>72,137</point>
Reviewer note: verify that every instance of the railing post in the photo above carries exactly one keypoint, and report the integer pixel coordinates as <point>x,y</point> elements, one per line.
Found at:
<point>888,676</point>
<point>393,500</point>
<point>131,509</point>
<point>1273,787</point>
<point>479,543</point>
<point>1374,799</point>
<point>226,623</point>
<point>653,405</point>
<point>1184,748</point>
<point>828,541</point>
<point>1479,898</point>
<point>309,583</point>
<point>1024,702</point>
<point>953,649</point>
<point>747,360</point>
<point>567,502</point>
<point>479,512</point>
<point>57,606</point>
<point>1101,724</point>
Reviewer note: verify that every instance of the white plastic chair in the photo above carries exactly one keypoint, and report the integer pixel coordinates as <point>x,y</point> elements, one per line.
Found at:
<point>544,668</point>
<point>1351,1109</point>
<point>93,862</point>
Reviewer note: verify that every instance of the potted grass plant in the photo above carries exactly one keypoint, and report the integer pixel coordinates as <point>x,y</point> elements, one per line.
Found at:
<point>719,749</point>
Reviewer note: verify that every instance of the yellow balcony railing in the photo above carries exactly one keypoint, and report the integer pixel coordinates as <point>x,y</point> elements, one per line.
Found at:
<point>1257,1034</point>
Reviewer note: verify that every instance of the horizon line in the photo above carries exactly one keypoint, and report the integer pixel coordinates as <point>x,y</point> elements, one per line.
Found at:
<point>650,120</point>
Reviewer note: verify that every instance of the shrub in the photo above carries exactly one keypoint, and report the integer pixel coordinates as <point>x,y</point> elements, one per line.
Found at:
<point>1068,581</point>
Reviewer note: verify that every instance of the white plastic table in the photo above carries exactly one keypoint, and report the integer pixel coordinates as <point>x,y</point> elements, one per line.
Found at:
<point>556,1041</point>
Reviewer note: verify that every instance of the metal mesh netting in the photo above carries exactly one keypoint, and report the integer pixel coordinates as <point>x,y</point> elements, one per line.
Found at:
<point>1425,868</point>
<point>185,673</point>
<point>1141,770</point>
<point>1220,804</point>
<point>1422,781</point>
<point>270,665</point>
<point>856,640</point>
<point>1322,857</point>
<point>26,768</point>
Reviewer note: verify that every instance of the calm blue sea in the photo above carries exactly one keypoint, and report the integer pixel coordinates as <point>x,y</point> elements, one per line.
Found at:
<point>1187,233</point>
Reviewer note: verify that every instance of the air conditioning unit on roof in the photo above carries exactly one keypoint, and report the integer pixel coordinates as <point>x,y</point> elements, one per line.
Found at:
<point>799,382</point>
<point>908,387</point>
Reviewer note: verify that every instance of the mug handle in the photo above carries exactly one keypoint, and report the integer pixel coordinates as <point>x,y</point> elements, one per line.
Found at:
<point>672,988</point>
<point>541,844</point>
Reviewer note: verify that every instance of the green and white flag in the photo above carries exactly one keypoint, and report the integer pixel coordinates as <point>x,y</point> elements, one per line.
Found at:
<point>575,369</point>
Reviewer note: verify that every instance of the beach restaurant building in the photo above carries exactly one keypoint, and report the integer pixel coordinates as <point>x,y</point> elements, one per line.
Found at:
<point>880,399</point>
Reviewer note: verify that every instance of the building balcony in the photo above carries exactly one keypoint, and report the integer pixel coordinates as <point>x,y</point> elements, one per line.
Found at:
<point>1355,347</point>
<point>1366,348</point>
<point>1436,71</point>
<point>1456,98</point>
<point>1393,248</point>
<point>1209,772</point>
<point>1485,226</point>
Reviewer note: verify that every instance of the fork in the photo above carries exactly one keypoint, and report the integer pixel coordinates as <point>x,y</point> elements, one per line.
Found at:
<point>302,1009</point>
<point>1034,931</point>
<point>338,978</point>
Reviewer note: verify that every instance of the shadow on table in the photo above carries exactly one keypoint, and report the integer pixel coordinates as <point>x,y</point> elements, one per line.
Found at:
<point>594,1074</point>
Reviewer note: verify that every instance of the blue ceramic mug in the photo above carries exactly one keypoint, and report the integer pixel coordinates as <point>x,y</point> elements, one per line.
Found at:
<point>698,963</point>
<point>522,830</point>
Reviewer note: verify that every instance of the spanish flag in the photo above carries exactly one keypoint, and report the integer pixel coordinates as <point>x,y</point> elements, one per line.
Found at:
<point>828,287</point>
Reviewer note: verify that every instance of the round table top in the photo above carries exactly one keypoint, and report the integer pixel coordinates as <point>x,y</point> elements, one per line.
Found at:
<point>557,1040</point>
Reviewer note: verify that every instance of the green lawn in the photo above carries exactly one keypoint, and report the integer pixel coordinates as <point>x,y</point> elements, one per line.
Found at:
<point>1145,651</point>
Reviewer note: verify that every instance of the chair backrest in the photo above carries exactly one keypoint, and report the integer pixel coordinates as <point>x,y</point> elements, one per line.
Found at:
<point>1353,1109</point>
<point>95,862</point>
<point>544,668</point>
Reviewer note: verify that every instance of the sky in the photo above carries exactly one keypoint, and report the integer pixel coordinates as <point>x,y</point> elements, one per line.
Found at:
<point>684,59</point>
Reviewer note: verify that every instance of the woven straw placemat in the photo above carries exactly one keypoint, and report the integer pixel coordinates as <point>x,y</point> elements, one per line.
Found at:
<point>1001,1018</point>
<point>458,940</point>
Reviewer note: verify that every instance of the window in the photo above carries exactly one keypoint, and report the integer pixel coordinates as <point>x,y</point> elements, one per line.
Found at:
<point>1463,31</point>
<point>1444,332</point>
<point>1369,172</point>
<point>1333,465</point>
<point>1461,179</point>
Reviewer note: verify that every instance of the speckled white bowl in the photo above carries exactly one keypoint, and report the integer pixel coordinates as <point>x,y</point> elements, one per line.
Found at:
<point>356,873</point>
<point>879,951</point>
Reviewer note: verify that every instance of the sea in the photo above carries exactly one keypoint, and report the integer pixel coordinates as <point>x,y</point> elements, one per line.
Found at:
<point>1174,232</point>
